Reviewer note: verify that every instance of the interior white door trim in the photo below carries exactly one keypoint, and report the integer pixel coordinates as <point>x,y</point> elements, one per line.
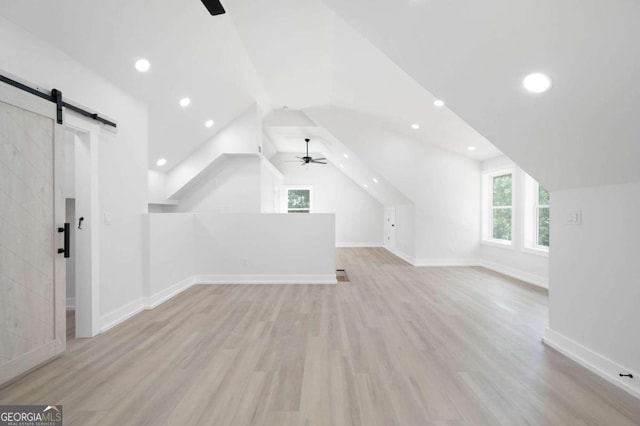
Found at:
<point>88,257</point>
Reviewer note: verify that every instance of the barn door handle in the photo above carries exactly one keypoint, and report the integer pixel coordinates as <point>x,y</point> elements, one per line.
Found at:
<point>65,250</point>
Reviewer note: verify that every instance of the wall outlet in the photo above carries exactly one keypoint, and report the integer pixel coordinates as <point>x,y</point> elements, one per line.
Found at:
<point>574,218</point>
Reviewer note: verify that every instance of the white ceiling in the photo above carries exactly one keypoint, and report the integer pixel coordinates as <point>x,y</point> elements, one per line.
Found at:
<point>290,140</point>
<point>307,56</point>
<point>474,54</point>
<point>191,53</point>
<point>297,53</point>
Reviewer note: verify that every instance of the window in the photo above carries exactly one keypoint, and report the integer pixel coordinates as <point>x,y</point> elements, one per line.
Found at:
<point>501,207</point>
<point>299,200</point>
<point>535,217</point>
<point>542,217</point>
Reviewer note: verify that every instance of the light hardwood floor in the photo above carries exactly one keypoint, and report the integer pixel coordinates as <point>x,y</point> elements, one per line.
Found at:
<point>396,345</point>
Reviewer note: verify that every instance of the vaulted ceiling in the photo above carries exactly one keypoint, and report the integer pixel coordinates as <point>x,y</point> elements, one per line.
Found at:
<point>474,54</point>
<point>386,59</point>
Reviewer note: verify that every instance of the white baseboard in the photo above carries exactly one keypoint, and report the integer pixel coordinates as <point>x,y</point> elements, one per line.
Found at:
<point>125,312</point>
<point>122,314</point>
<point>593,361</point>
<point>169,292</point>
<point>266,279</point>
<point>409,259</point>
<point>506,270</point>
<point>446,262</point>
<point>348,245</point>
<point>432,262</point>
<point>515,273</point>
<point>71,303</point>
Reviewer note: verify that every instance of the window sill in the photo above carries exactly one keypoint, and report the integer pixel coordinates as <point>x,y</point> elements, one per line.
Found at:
<point>508,245</point>
<point>537,251</point>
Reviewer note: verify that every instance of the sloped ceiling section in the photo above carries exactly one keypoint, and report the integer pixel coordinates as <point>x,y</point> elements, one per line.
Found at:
<point>474,55</point>
<point>287,131</point>
<point>307,56</point>
<point>192,54</point>
<point>289,44</point>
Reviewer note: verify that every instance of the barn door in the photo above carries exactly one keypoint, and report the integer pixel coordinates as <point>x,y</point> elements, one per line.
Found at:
<point>32,280</point>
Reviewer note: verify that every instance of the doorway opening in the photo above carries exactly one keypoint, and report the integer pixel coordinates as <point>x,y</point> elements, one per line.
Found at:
<point>81,203</point>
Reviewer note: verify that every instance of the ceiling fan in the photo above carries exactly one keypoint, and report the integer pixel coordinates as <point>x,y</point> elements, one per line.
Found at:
<point>214,7</point>
<point>306,159</point>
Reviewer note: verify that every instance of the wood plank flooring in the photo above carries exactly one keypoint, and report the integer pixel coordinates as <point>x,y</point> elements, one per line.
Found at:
<point>396,345</point>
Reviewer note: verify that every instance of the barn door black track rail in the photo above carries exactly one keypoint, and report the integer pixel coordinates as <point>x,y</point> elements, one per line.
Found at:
<point>56,98</point>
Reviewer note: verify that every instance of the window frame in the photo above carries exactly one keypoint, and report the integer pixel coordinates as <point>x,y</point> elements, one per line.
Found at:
<point>531,218</point>
<point>536,214</point>
<point>488,208</point>
<point>298,188</point>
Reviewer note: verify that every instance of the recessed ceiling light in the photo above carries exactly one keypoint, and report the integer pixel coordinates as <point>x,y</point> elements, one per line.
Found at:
<point>365,185</point>
<point>342,166</point>
<point>184,102</point>
<point>415,126</point>
<point>143,65</point>
<point>346,155</point>
<point>438,102</point>
<point>537,82</point>
<point>161,162</point>
<point>471,148</point>
<point>375,180</point>
<point>209,123</point>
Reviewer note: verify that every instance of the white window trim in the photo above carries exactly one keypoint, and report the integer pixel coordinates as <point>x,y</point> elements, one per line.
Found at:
<point>537,207</point>
<point>487,208</point>
<point>285,201</point>
<point>531,206</point>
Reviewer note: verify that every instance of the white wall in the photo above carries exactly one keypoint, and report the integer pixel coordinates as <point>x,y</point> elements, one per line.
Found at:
<point>233,186</point>
<point>271,189</point>
<point>123,155</point>
<point>265,246</point>
<point>516,260</point>
<point>444,187</point>
<point>157,187</point>
<point>595,278</point>
<point>359,217</point>
<point>192,248</point>
<point>171,250</point>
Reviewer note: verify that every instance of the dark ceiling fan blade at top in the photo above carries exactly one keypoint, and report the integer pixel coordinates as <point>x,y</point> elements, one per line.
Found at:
<point>214,7</point>
<point>317,162</point>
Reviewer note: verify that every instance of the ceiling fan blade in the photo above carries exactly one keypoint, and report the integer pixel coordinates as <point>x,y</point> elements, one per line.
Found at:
<point>320,158</point>
<point>214,7</point>
<point>318,162</point>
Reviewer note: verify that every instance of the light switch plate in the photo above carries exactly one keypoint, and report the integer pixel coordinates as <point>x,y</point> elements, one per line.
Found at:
<point>574,218</point>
